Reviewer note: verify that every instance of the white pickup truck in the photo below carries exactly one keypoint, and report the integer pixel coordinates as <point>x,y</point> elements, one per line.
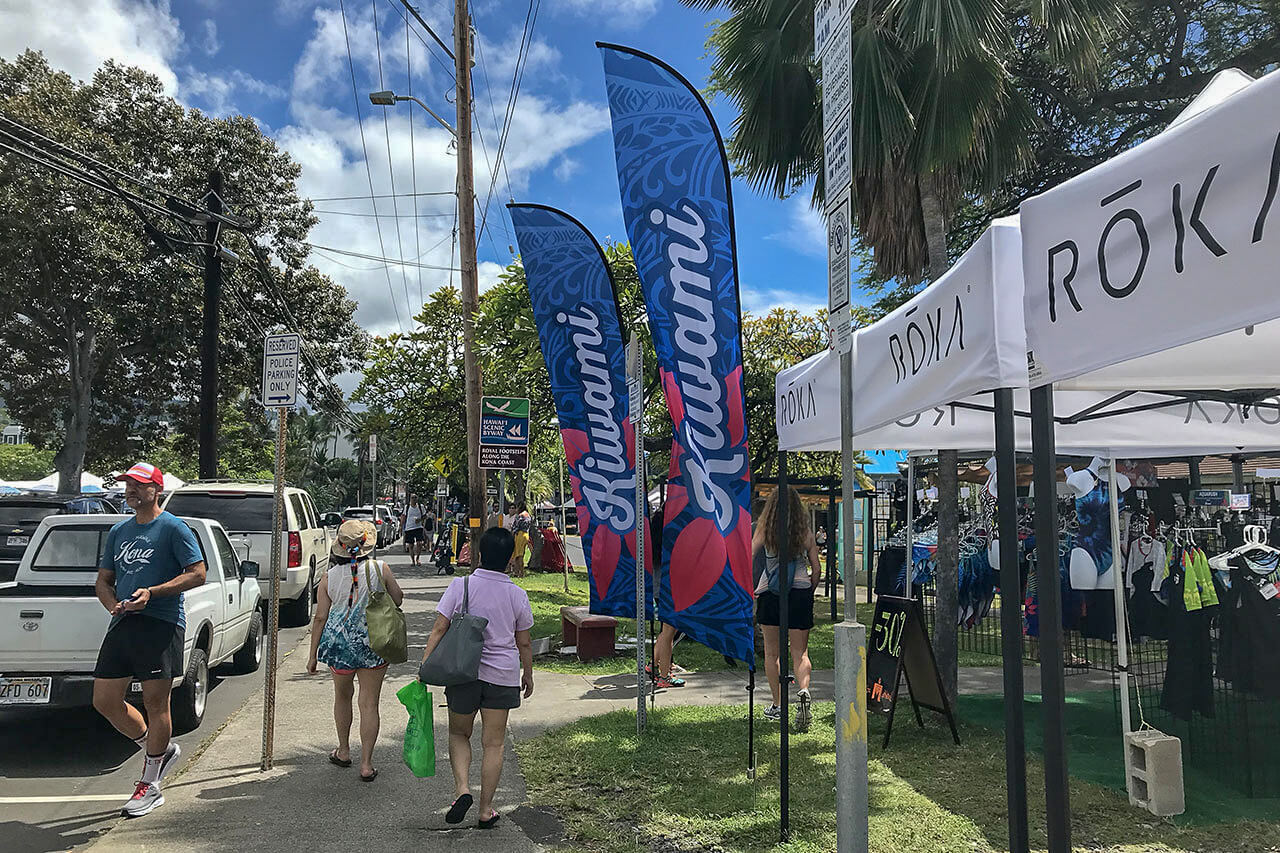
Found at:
<point>52,624</point>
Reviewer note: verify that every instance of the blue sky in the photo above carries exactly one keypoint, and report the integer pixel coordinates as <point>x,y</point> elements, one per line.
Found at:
<point>285,62</point>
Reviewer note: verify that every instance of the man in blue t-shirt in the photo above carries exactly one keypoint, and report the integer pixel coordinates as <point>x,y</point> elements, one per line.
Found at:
<point>148,562</point>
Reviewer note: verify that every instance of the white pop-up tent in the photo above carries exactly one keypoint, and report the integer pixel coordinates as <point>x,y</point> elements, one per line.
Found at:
<point>1154,270</point>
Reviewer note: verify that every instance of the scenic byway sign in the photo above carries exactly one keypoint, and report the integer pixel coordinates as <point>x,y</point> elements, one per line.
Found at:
<point>280,354</point>
<point>504,433</point>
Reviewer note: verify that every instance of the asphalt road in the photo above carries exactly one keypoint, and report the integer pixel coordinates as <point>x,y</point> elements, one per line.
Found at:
<point>65,773</point>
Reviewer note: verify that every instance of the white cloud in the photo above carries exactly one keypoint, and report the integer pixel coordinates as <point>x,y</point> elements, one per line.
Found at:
<point>209,37</point>
<point>566,169</point>
<point>78,35</point>
<point>761,301</point>
<point>216,93</point>
<point>628,12</point>
<point>804,230</point>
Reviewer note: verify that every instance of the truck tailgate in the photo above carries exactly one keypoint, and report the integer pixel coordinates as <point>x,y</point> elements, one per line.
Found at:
<point>50,629</point>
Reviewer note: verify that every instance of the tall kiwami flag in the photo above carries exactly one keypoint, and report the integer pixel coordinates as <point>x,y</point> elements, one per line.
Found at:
<point>674,181</point>
<point>576,310</point>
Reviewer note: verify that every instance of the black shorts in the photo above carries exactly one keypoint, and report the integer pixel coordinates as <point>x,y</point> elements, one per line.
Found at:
<point>799,614</point>
<point>474,695</point>
<point>414,535</point>
<point>141,647</point>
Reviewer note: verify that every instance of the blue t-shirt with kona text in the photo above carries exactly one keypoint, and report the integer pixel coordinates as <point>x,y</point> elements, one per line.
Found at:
<point>143,555</point>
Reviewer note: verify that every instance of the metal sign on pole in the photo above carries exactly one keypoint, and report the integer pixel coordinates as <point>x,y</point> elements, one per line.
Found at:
<point>504,433</point>
<point>280,354</point>
<point>635,403</point>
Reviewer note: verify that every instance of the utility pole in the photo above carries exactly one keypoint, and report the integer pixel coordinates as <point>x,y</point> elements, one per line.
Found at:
<point>470,284</point>
<point>208,433</point>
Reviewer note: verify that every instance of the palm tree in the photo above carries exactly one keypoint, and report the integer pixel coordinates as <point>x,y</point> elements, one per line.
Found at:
<point>937,114</point>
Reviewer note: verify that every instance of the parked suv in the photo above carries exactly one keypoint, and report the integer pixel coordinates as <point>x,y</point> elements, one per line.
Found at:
<point>381,518</point>
<point>21,514</point>
<point>244,509</point>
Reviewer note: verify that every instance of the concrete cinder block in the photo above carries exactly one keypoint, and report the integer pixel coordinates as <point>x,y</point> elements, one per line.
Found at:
<point>1153,767</point>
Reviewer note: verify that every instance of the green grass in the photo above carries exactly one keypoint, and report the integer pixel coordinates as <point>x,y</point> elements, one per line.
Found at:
<point>547,596</point>
<point>684,788</point>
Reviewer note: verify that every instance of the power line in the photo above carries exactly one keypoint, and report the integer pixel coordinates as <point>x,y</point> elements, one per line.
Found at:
<point>384,215</point>
<point>367,168</point>
<point>430,32</point>
<point>413,159</point>
<point>381,260</point>
<point>493,110</point>
<point>386,129</point>
<point>381,195</point>
<point>426,252</point>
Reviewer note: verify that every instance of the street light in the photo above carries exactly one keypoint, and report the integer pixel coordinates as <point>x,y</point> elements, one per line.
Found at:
<point>389,99</point>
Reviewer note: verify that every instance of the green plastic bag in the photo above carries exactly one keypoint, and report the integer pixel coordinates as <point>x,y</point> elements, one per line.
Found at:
<point>419,734</point>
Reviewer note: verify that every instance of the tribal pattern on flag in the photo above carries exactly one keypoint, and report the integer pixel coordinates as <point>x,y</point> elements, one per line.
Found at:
<point>576,310</point>
<point>674,181</point>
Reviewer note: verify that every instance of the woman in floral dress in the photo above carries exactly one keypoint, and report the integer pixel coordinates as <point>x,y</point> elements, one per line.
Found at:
<point>343,644</point>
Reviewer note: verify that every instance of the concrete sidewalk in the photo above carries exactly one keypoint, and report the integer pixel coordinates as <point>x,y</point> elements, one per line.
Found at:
<point>223,803</point>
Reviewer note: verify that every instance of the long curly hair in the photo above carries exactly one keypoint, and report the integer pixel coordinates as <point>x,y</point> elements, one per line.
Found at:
<point>797,522</point>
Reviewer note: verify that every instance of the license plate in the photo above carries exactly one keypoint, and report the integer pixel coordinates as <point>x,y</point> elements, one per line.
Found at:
<point>22,541</point>
<point>25,691</point>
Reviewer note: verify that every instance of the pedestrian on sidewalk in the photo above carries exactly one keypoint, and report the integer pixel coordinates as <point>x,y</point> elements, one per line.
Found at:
<point>803,550</point>
<point>506,668</point>
<point>415,537</point>
<point>520,528</point>
<point>343,644</point>
<point>148,562</point>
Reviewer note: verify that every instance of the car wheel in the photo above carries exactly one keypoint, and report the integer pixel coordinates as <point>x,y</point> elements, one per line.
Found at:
<point>190,698</point>
<point>249,657</point>
<point>297,613</point>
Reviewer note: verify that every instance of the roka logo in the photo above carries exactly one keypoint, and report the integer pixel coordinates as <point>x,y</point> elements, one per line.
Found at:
<point>606,486</point>
<point>712,460</point>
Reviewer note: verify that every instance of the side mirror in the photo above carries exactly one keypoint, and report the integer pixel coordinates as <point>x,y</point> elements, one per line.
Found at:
<point>331,519</point>
<point>248,569</point>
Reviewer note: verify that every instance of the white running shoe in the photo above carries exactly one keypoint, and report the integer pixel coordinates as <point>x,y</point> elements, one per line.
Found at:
<point>773,713</point>
<point>146,799</point>
<point>170,760</point>
<point>804,714</point>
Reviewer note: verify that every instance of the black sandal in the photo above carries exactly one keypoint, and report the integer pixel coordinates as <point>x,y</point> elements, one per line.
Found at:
<point>370,777</point>
<point>459,809</point>
<point>341,762</point>
<point>490,823</point>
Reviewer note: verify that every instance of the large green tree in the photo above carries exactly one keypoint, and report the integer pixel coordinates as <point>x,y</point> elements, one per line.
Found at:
<point>103,319</point>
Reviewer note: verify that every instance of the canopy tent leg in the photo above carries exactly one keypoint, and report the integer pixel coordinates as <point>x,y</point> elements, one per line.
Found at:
<point>1048,580</point>
<point>1015,745</point>
<point>784,647</point>
<point>1122,616</point>
<point>911,533</point>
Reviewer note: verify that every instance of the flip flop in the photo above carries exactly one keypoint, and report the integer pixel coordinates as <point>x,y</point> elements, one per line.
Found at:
<point>334,759</point>
<point>459,809</point>
<point>490,823</point>
<point>370,777</point>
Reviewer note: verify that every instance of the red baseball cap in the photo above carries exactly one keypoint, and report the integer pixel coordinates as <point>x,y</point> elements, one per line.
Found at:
<point>144,472</point>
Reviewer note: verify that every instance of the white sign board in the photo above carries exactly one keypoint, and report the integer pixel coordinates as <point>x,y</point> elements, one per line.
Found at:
<point>836,163</point>
<point>837,65</point>
<point>1175,240</point>
<point>829,16</point>
<point>838,236</point>
<point>840,325</point>
<point>280,355</point>
<point>373,448</point>
<point>635,379</point>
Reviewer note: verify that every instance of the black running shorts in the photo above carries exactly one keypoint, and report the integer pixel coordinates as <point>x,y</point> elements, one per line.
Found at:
<point>141,647</point>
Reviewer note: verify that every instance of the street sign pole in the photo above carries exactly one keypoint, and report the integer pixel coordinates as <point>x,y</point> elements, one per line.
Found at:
<point>280,355</point>
<point>635,399</point>
<point>373,485</point>
<point>833,45</point>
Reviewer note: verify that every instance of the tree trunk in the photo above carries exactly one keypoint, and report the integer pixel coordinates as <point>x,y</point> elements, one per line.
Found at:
<point>945,632</point>
<point>81,352</point>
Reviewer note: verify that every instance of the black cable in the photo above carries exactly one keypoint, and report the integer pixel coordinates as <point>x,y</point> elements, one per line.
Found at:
<point>365,148</point>
<point>386,129</point>
<point>413,160</point>
<point>382,215</point>
<point>382,195</point>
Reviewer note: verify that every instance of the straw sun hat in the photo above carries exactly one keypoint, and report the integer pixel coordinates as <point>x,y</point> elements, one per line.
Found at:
<point>355,539</point>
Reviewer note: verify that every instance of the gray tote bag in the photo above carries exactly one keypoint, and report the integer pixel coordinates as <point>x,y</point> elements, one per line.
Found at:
<point>456,659</point>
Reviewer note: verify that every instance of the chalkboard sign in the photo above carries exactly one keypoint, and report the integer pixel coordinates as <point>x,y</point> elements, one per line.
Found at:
<point>899,648</point>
